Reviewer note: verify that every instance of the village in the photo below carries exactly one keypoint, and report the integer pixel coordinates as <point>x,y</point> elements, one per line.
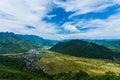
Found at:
<point>30,57</point>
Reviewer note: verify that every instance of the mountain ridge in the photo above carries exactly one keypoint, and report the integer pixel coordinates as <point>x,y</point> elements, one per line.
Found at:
<point>113,44</point>
<point>17,43</point>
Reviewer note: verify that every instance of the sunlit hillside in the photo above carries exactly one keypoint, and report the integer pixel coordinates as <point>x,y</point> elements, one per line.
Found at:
<point>54,63</point>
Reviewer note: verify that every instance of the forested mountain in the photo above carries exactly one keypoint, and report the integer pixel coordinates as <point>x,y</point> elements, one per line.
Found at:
<point>111,44</point>
<point>37,40</point>
<point>16,43</point>
<point>10,43</point>
<point>81,48</point>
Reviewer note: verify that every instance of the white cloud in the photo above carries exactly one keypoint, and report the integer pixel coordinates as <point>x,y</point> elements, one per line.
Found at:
<point>50,16</point>
<point>70,27</point>
<point>85,6</point>
<point>16,14</point>
<point>105,29</point>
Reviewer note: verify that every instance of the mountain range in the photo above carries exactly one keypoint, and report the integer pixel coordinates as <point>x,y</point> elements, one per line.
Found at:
<point>113,44</point>
<point>16,43</point>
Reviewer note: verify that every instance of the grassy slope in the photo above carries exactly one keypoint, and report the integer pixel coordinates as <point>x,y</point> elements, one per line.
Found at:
<point>10,43</point>
<point>55,63</point>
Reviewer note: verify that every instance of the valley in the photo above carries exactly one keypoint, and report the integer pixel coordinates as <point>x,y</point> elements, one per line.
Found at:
<point>54,63</point>
<point>59,39</point>
<point>24,58</point>
<point>48,65</point>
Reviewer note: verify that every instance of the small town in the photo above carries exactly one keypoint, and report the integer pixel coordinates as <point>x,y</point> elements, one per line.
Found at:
<point>29,58</point>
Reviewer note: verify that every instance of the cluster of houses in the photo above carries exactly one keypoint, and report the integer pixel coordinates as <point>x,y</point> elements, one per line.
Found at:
<point>29,58</point>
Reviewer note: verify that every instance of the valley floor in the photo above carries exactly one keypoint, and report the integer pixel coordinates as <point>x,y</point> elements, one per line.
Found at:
<point>54,63</point>
<point>48,65</point>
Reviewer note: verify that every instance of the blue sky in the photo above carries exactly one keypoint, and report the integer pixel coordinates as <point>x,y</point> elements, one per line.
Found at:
<point>62,19</point>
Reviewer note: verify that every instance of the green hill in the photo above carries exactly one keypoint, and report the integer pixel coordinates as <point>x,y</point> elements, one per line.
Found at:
<point>55,63</point>
<point>81,48</point>
<point>17,43</point>
<point>58,67</point>
<point>9,43</point>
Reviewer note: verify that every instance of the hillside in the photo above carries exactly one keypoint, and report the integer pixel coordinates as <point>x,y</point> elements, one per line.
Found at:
<point>81,48</point>
<point>55,63</point>
<point>9,43</point>
<point>57,66</point>
<point>17,43</point>
<point>13,69</point>
<point>111,44</point>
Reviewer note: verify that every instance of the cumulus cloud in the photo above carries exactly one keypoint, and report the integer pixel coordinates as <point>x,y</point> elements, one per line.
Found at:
<point>70,27</point>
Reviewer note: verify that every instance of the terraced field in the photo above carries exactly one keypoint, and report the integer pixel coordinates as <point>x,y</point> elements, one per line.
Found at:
<point>54,63</point>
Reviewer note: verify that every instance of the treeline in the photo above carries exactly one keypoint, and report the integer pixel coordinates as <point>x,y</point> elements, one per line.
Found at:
<point>84,76</point>
<point>61,76</point>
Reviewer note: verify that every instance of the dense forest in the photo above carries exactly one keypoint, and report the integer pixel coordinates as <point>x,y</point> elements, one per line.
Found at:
<point>82,48</point>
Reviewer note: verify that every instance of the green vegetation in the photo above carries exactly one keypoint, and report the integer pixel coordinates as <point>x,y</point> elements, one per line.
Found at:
<point>81,75</point>
<point>12,62</point>
<point>81,48</point>
<point>48,65</point>
<point>111,44</point>
<point>38,40</point>
<point>55,63</point>
<point>10,43</point>
<point>58,67</point>
<point>13,69</point>
<point>14,43</point>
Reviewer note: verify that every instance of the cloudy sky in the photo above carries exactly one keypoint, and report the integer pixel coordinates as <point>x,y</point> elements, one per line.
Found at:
<point>62,19</point>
